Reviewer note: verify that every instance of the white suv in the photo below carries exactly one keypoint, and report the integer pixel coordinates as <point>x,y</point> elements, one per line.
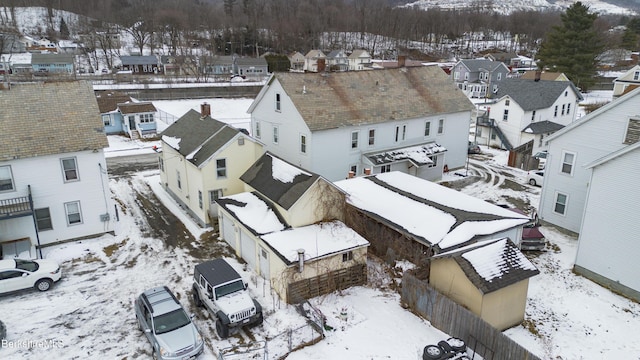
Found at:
<point>19,274</point>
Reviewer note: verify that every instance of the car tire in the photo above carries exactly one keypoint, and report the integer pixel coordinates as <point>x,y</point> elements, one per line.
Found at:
<point>155,355</point>
<point>431,352</point>
<point>43,284</point>
<point>457,344</point>
<point>196,297</point>
<point>222,329</point>
<point>532,182</point>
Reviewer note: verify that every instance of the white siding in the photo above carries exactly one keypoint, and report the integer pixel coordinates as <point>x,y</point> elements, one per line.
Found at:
<point>608,242</point>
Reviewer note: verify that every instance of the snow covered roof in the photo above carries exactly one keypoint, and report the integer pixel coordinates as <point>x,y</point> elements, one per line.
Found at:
<point>492,264</point>
<point>418,155</point>
<point>253,212</point>
<point>429,212</point>
<point>317,240</point>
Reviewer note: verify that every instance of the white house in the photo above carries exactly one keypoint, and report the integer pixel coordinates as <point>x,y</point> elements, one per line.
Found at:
<point>360,59</point>
<point>53,177</point>
<point>608,248</point>
<point>315,61</point>
<point>412,120</point>
<point>626,81</point>
<point>202,159</point>
<point>526,110</point>
<point>568,179</point>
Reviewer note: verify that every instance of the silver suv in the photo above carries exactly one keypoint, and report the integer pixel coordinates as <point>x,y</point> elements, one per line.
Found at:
<point>169,329</point>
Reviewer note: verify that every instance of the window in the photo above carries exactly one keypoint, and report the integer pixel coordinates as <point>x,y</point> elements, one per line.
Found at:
<point>146,118</point>
<point>568,160</point>
<point>276,137</point>
<point>636,76</point>
<point>401,131</point>
<point>6,178</point>
<point>303,144</point>
<point>456,75</point>
<point>562,112</point>
<point>385,168</point>
<point>440,126</point>
<point>505,116</point>
<point>372,136</point>
<point>632,135</point>
<point>353,169</point>
<point>73,213</point>
<point>507,102</point>
<point>200,199</point>
<point>277,102</point>
<point>161,164</point>
<point>221,168</point>
<point>354,140</point>
<point>178,179</point>
<point>70,169</point>
<point>466,76</point>
<point>566,93</point>
<point>258,129</point>
<point>43,219</point>
<point>106,119</point>
<point>427,128</point>
<point>347,256</point>
<point>555,111</point>
<point>560,206</point>
<point>568,108</point>
<point>499,77</point>
<point>214,195</point>
<point>533,115</point>
<point>434,160</point>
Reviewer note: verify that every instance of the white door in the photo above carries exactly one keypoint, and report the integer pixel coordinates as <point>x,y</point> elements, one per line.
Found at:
<point>264,263</point>
<point>228,231</point>
<point>248,249</point>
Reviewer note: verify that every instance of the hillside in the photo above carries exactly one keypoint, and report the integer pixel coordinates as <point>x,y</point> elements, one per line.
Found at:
<point>509,6</point>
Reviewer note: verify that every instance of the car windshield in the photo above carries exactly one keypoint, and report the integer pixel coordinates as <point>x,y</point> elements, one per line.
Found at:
<point>170,321</point>
<point>542,155</point>
<point>229,288</point>
<point>27,265</point>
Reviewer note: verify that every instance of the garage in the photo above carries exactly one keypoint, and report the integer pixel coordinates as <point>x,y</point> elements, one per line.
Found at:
<point>248,249</point>
<point>228,231</point>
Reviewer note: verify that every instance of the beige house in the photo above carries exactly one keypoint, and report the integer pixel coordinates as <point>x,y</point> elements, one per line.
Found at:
<point>490,278</point>
<point>544,75</point>
<point>315,61</point>
<point>360,59</point>
<point>297,61</point>
<point>288,229</point>
<point>202,159</point>
<point>627,81</point>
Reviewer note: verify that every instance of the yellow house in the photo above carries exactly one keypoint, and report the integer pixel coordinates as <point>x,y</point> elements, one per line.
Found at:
<point>287,228</point>
<point>490,278</point>
<point>202,159</point>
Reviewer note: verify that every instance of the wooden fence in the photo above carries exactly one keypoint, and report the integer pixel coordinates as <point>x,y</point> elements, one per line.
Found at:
<point>455,320</point>
<point>327,283</point>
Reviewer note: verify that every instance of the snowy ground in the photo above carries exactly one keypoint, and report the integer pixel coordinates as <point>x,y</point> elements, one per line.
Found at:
<point>89,313</point>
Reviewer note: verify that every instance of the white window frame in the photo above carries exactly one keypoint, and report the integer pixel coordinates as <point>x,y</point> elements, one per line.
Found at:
<point>221,171</point>
<point>214,194</point>
<point>564,163</point>
<point>372,137</point>
<point>178,180</point>
<point>556,203</point>
<point>401,132</point>
<point>258,130</point>
<point>278,102</point>
<point>276,135</point>
<point>106,120</point>
<point>69,210</point>
<point>200,202</point>
<point>505,115</point>
<point>303,143</point>
<point>499,77</point>
<point>8,175</point>
<point>65,171</point>
<point>427,128</point>
<point>636,75</point>
<point>39,218</point>
<point>354,140</point>
<point>440,126</point>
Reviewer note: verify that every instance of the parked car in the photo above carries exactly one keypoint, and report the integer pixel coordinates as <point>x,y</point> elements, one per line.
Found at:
<point>167,326</point>
<point>219,288</point>
<point>474,148</point>
<point>541,156</point>
<point>535,178</point>
<point>532,238</point>
<point>20,274</point>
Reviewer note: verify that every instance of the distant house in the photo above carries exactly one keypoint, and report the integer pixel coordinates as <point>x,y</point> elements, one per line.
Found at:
<point>220,65</point>
<point>627,81</point>
<point>179,65</point>
<point>251,68</point>
<point>490,278</point>
<point>297,61</point>
<point>360,59</point>
<point>53,177</point>
<point>568,178</point>
<point>108,106</point>
<point>140,65</point>
<point>415,219</point>
<point>139,119</point>
<point>336,124</point>
<point>478,78</point>
<point>608,246</point>
<point>315,61</point>
<point>287,228</point>
<point>544,75</point>
<point>53,64</point>
<point>507,58</point>
<point>337,60</point>
<point>527,111</point>
<point>202,160</point>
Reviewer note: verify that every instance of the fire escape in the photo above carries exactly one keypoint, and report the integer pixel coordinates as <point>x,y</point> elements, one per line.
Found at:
<point>484,120</point>
<point>19,207</point>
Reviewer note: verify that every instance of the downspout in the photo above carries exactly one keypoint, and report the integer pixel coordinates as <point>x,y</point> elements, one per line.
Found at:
<point>35,223</point>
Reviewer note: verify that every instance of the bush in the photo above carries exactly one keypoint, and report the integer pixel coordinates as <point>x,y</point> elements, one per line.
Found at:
<point>3,331</point>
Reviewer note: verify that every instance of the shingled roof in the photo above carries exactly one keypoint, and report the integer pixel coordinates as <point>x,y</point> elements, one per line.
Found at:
<point>136,107</point>
<point>198,138</point>
<point>278,180</point>
<point>493,264</point>
<point>108,100</point>
<point>533,95</point>
<point>332,100</point>
<point>542,127</point>
<point>49,118</point>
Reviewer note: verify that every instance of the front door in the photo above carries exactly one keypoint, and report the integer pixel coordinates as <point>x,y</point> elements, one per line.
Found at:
<point>132,122</point>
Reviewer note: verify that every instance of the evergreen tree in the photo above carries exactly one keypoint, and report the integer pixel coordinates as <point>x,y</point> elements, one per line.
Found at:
<point>64,30</point>
<point>572,48</point>
<point>629,40</point>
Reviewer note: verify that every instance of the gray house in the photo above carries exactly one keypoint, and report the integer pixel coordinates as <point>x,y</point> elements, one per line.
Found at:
<point>478,78</point>
<point>149,64</point>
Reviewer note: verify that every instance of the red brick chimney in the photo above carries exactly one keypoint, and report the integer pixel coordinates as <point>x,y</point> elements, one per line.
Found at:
<point>205,110</point>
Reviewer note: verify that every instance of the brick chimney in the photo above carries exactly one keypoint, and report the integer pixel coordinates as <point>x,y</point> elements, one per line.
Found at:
<point>205,110</point>
<point>367,171</point>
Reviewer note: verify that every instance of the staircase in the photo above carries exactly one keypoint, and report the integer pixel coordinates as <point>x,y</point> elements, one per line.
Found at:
<point>484,120</point>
